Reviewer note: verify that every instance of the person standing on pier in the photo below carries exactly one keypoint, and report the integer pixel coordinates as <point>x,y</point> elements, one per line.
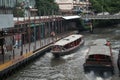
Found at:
<point>53,35</point>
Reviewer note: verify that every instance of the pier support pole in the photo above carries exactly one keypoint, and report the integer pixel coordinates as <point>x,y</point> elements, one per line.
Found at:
<point>91,27</point>
<point>2,44</point>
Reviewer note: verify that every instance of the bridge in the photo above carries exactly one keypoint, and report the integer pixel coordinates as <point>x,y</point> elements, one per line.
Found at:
<point>99,17</point>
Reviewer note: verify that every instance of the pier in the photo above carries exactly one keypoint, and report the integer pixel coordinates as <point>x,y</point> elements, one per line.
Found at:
<point>29,38</point>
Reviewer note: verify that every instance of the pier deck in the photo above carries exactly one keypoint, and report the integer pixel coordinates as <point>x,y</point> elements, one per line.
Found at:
<point>41,46</point>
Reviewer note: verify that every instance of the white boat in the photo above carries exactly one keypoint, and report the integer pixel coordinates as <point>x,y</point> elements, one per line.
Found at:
<point>99,57</point>
<point>67,45</point>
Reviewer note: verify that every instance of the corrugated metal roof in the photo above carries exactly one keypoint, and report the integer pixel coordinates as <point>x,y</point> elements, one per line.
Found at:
<point>103,50</point>
<point>68,39</point>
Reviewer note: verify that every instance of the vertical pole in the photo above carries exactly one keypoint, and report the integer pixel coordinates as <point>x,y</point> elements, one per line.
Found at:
<point>2,45</point>
<point>49,29</point>
<point>21,45</point>
<point>91,27</point>
<point>34,33</point>
<point>29,33</point>
<point>24,31</point>
<point>103,7</point>
<point>13,45</point>
<point>62,26</point>
<point>39,32</point>
<point>3,53</point>
<point>55,27</point>
<point>22,40</point>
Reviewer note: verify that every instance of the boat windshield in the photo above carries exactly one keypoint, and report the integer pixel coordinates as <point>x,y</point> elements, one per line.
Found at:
<point>56,48</point>
<point>99,58</point>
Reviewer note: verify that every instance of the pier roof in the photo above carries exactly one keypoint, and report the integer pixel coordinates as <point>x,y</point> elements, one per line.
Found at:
<point>71,17</point>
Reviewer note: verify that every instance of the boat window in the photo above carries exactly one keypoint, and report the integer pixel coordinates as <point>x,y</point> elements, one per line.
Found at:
<point>99,58</point>
<point>56,48</point>
<point>66,46</point>
<point>66,39</point>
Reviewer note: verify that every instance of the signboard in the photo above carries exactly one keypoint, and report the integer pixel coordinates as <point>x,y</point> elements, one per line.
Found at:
<point>6,20</point>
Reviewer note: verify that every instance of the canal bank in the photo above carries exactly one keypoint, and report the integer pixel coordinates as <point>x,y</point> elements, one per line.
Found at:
<point>10,66</point>
<point>70,67</point>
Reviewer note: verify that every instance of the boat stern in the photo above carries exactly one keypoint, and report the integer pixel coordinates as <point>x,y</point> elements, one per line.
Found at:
<point>98,68</point>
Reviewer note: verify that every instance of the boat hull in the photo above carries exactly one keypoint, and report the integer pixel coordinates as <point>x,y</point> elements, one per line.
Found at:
<point>68,51</point>
<point>98,67</point>
<point>118,63</point>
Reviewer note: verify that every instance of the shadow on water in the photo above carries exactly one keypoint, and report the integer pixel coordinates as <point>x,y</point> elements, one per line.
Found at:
<point>57,61</point>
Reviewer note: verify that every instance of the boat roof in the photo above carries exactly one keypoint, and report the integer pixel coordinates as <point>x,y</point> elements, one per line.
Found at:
<point>102,50</point>
<point>100,42</point>
<point>68,39</point>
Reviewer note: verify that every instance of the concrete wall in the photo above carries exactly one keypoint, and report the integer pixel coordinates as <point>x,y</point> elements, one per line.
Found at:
<point>6,20</point>
<point>72,4</point>
<point>65,4</point>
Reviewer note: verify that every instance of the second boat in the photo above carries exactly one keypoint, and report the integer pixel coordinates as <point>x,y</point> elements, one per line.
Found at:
<point>67,45</point>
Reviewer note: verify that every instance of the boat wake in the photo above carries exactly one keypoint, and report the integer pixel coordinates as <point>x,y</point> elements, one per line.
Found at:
<point>68,56</point>
<point>98,76</point>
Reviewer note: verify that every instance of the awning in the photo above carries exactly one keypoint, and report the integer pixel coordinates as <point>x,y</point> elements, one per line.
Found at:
<point>71,17</point>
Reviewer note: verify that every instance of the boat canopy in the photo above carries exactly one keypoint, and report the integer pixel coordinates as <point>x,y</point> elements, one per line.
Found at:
<point>101,50</point>
<point>100,42</point>
<point>68,39</point>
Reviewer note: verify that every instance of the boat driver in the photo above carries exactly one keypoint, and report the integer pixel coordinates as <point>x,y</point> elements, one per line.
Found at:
<point>108,43</point>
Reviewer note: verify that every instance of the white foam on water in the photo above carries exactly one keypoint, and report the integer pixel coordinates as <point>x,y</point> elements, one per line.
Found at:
<point>99,78</point>
<point>85,52</point>
<point>50,55</point>
<point>93,76</point>
<point>107,76</point>
<point>115,51</point>
<point>90,76</point>
<point>68,56</point>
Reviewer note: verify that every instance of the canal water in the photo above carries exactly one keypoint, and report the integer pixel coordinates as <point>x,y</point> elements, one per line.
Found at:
<point>70,67</point>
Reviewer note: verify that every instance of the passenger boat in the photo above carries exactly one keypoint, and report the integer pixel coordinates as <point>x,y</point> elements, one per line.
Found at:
<point>99,57</point>
<point>67,45</point>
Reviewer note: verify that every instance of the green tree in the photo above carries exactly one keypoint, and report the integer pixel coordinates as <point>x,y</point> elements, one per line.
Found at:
<point>18,11</point>
<point>46,7</point>
<point>111,6</point>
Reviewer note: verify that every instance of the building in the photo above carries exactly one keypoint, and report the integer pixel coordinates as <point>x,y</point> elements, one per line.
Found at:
<point>29,7</point>
<point>73,6</point>
<point>6,6</point>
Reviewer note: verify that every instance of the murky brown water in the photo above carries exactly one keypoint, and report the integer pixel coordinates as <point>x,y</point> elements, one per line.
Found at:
<point>70,67</point>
